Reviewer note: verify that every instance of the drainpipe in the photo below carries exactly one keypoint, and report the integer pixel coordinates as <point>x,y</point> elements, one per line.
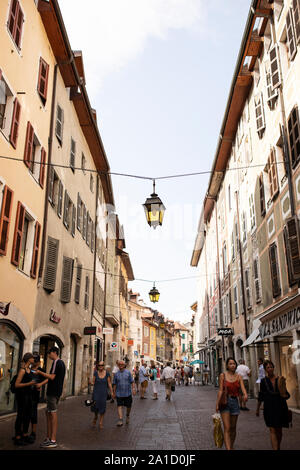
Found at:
<point>50,140</point>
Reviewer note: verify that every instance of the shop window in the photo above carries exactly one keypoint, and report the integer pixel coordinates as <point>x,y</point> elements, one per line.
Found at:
<point>15,22</point>
<point>5,216</point>
<point>42,85</point>
<point>66,279</point>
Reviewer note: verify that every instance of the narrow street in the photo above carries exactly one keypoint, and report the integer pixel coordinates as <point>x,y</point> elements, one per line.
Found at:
<point>184,423</point>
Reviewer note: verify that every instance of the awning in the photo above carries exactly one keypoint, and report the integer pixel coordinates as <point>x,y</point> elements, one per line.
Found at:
<point>254,335</point>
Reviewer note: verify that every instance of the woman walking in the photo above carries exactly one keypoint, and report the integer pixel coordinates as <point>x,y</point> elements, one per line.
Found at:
<point>153,378</point>
<point>231,382</point>
<point>101,382</point>
<point>273,394</point>
<point>24,386</point>
<point>136,378</point>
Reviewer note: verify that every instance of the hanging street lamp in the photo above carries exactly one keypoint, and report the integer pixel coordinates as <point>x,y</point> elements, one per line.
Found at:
<point>154,294</point>
<point>154,209</point>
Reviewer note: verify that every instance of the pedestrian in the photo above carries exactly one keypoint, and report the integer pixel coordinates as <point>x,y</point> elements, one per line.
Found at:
<point>206,374</point>
<point>232,382</point>
<point>55,385</point>
<point>245,373</point>
<point>158,372</point>
<point>143,379</point>
<point>168,376</point>
<point>197,376</point>
<point>186,374</point>
<point>39,381</point>
<point>101,383</point>
<point>123,389</point>
<point>23,386</point>
<point>153,378</point>
<point>178,376</point>
<point>191,375</point>
<point>273,394</point>
<point>136,378</point>
<point>182,375</point>
<point>261,374</point>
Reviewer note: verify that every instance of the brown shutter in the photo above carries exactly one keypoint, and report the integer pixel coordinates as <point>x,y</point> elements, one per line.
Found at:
<point>87,239</point>
<point>273,175</point>
<point>87,293</point>
<point>84,223</point>
<point>274,270</point>
<point>35,254</point>
<point>290,35</point>
<point>73,226</point>
<point>14,131</point>
<point>60,198</point>
<point>66,281</point>
<point>294,135</point>
<point>51,185</point>
<point>292,239</point>
<point>296,8</point>
<point>78,212</point>
<point>43,78</point>
<point>78,282</point>
<point>19,27</point>
<point>66,205</point>
<point>5,218</point>
<point>51,264</point>
<point>262,195</point>
<point>28,157</point>
<point>13,14</point>
<point>42,167</point>
<point>18,234</point>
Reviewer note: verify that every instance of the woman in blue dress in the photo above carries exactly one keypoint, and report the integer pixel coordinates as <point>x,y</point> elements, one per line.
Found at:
<point>101,382</point>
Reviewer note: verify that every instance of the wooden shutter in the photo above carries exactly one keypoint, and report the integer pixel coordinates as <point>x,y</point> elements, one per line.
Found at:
<point>87,238</point>
<point>19,27</point>
<point>72,154</point>
<point>5,218</point>
<point>294,135</point>
<point>78,212</point>
<point>59,123</point>
<point>273,175</point>
<point>87,293</point>
<point>14,131</point>
<point>262,195</point>
<point>259,113</point>
<point>274,270</point>
<point>92,236</point>
<point>275,71</point>
<point>28,156</point>
<point>84,223</point>
<point>43,79</point>
<point>13,15</point>
<point>256,280</point>
<point>66,206</point>
<point>51,184</point>
<point>42,167</point>
<point>290,35</point>
<point>35,253</point>
<point>51,264</point>
<point>292,241</point>
<point>78,283</point>
<point>66,281</point>
<point>60,198</point>
<point>73,227</point>
<point>15,258</point>
<point>296,10</point>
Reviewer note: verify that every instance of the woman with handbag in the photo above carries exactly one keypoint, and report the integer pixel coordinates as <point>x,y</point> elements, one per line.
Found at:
<point>274,394</point>
<point>102,383</point>
<point>231,384</point>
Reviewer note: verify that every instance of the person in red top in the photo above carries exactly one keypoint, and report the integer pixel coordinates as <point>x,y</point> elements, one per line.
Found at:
<point>233,383</point>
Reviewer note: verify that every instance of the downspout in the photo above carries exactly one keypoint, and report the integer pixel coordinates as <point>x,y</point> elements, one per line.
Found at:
<point>50,140</point>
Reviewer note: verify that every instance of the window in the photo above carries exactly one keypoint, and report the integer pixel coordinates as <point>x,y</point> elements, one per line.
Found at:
<point>274,67</point>
<point>290,32</point>
<point>87,293</point>
<point>244,227</point>
<point>183,348</point>
<point>59,124</point>
<point>88,228</point>
<point>72,155</point>
<point>262,200</point>
<point>216,322</point>
<point>252,211</point>
<point>248,291</point>
<point>5,215</point>
<point>257,280</point>
<point>183,336</point>
<point>83,161</point>
<point>78,283</point>
<point>10,110</point>
<point>224,258</point>
<point>51,264</point>
<point>274,268</point>
<point>84,222</point>
<point>232,246</point>
<point>146,331</point>
<point>273,175</point>
<point>34,155</point>
<point>42,85</point>
<point>79,212</point>
<point>294,135</point>
<point>292,246</point>
<point>91,183</point>
<point>225,313</point>
<point>145,348</point>
<point>296,12</point>
<point>137,315</point>
<point>66,279</point>
<point>235,301</point>
<point>55,191</point>
<point>15,22</point>
<point>69,217</point>
<point>259,114</point>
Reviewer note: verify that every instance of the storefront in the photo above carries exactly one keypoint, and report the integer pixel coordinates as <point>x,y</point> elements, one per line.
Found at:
<point>11,350</point>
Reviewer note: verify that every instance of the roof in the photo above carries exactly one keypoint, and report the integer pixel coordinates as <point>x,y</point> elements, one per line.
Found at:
<point>179,326</point>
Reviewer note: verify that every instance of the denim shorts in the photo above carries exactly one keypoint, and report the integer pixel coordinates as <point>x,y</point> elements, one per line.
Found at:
<point>232,406</point>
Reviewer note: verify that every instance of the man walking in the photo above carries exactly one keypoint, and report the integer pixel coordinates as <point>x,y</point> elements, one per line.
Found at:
<point>123,389</point>
<point>186,374</point>
<point>55,378</point>
<point>143,378</point>
<point>206,374</point>
<point>245,373</point>
<point>168,376</point>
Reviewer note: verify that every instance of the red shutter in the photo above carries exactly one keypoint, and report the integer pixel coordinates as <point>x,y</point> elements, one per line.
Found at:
<point>5,218</point>
<point>19,27</point>
<point>35,253</point>
<point>28,160</point>
<point>12,21</point>
<point>43,78</point>
<point>15,258</point>
<point>14,131</point>
<point>42,168</point>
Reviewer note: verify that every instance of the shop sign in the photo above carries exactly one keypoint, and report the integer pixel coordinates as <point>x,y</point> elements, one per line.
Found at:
<point>90,330</point>
<point>285,322</point>
<point>113,346</point>
<point>225,331</point>
<point>108,331</point>
<point>136,353</point>
<point>53,317</point>
<point>162,325</point>
<point>130,342</point>
<point>4,308</point>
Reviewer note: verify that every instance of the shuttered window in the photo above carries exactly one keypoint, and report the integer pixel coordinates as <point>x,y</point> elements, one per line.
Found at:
<point>35,253</point>
<point>256,280</point>
<point>235,301</point>
<point>72,154</point>
<point>5,218</point>
<point>84,223</point>
<point>290,32</point>
<point>262,200</point>
<point>66,280</point>
<point>42,167</point>
<point>93,238</point>
<point>19,227</point>
<point>88,226</point>
<point>78,283</point>
<point>273,174</point>
<point>28,151</point>
<point>59,123</point>
<point>79,213</point>
<point>274,268</point>
<point>292,245</point>
<point>51,264</point>
<point>296,10</point>
<point>274,64</point>
<point>259,114</point>
<point>248,291</point>
<point>15,22</point>
<point>252,211</point>
<point>294,135</point>
<point>14,130</point>
<point>87,293</point>
<point>43,80</point>
<point>60,198</point>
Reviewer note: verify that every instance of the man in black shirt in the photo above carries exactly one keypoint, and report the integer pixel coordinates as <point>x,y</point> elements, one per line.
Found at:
<point>54,391</point>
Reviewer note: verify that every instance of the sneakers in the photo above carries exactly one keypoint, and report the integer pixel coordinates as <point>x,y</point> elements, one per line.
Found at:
<point>120,423</point>
<point>28,439</point>
<point>47,443</point>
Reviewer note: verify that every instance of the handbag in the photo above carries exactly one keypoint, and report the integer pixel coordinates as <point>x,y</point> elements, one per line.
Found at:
<point>223,399</point>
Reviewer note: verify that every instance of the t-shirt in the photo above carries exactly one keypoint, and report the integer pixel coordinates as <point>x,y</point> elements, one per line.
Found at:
<point>186,370</point>
<point>154,373</point>
<point>243,371</point>
<point>142,374</point>
<point>38,379</point>
<point>55,386</point>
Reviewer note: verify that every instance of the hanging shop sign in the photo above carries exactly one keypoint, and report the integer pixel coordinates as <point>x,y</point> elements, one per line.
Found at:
<point>225,331</point>
<point>162,325</point>
<point>108,331</point>
<point>113,346</point>
<point>130,342</point>
<point>285,322</point>
<point>53,317</point>
<point>90,330</point>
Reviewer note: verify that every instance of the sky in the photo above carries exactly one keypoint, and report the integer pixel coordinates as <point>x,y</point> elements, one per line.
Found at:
<point>158,73</point>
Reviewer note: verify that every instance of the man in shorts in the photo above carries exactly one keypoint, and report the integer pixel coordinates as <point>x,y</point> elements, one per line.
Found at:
<point>143,379</point>
<point>123,389</point>
<point>55,378</point>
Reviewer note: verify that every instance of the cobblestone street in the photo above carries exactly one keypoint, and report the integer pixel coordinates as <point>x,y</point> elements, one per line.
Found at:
<point>184,423</point>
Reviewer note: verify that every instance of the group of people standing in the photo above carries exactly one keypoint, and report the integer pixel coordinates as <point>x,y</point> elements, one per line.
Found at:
<point>233,387</point>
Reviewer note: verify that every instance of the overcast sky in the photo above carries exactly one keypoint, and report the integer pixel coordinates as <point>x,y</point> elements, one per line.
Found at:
<point>158,73</point>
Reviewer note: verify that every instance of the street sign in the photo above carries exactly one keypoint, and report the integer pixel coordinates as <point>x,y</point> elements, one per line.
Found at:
<point>108,331</point>
<point>90,330</point>
<point>225,331</point>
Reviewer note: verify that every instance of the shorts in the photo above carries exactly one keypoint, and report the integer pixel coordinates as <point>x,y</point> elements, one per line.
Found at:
<point>52,403</point>
<point>144,384</point>
<point>124,401</point>
<point>232,406</point>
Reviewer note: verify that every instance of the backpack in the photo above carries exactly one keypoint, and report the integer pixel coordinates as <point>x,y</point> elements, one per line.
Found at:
<point>13,384</point>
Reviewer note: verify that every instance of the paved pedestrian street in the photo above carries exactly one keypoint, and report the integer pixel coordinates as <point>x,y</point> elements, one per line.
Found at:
<point>184,423</point>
